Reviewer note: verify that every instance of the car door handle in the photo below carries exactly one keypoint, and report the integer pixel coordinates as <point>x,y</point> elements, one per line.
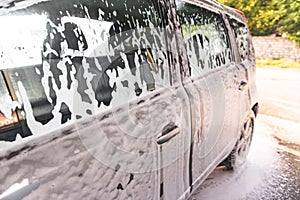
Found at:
<point>243,85</point>
<point>168,133</point>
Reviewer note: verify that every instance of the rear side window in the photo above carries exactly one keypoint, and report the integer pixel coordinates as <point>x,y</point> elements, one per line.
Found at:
<point>241,33</point>
<point>205,38</point>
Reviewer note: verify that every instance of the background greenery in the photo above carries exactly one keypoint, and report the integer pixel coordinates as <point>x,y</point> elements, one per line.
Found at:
<point>282,63</point>
<point>270,16</point>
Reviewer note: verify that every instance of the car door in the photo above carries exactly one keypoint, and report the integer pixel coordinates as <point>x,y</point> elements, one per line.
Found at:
<point>212,86</point>
<point>128,124</point>
<point>246,62</point>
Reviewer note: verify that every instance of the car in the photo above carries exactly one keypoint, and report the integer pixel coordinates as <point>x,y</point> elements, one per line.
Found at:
<point>122,99</point>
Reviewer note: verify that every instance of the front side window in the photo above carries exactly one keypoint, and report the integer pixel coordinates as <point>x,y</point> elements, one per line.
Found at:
<point>70,60</point>
<point>205,38</point>
<point>7,105</point>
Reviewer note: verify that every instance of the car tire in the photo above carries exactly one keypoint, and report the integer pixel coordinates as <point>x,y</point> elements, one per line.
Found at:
<point>238,155</point>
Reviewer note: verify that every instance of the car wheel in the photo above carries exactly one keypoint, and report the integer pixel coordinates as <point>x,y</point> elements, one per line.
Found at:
<point>238,155</point>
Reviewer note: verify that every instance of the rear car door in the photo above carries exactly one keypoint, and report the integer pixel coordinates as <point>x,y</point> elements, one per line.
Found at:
<point>245,61</point>
<point>212,86</point>
<point>108,115</point>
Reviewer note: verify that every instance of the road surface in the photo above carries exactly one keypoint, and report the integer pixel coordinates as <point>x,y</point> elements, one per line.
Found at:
<point>272,170</point>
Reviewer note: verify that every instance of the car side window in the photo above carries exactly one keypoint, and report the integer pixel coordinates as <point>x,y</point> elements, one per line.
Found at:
<point>205,37</point>
<point>4,96</point>
<point>7,117</point>
<point>241,33</point>
<point>76,60</point>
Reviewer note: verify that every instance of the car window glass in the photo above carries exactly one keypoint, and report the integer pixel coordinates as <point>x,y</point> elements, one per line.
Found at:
<point>241,33</point>
<point>5,101</point>
<point>205,38</point>
<point>76,59</point>
<point>7,106</point>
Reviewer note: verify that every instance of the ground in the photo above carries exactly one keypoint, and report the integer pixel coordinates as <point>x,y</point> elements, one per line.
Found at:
<point>272,170</point>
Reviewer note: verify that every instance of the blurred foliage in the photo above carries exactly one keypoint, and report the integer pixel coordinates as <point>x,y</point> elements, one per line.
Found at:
<point>271,16</point>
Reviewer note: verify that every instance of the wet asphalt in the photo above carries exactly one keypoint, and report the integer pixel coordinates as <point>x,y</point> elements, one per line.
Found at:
<point>283,181</point>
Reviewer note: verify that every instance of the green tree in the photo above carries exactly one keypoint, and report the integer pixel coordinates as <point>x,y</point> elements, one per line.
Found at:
<point>290,22</point>
<point>272,16</point>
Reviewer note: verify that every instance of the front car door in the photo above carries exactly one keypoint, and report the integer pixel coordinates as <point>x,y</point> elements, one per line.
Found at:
<point>101,95</point>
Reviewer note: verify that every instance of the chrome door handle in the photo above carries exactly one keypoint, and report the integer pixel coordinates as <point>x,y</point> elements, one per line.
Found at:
<point>243,85</point>
<point>165,137</point>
